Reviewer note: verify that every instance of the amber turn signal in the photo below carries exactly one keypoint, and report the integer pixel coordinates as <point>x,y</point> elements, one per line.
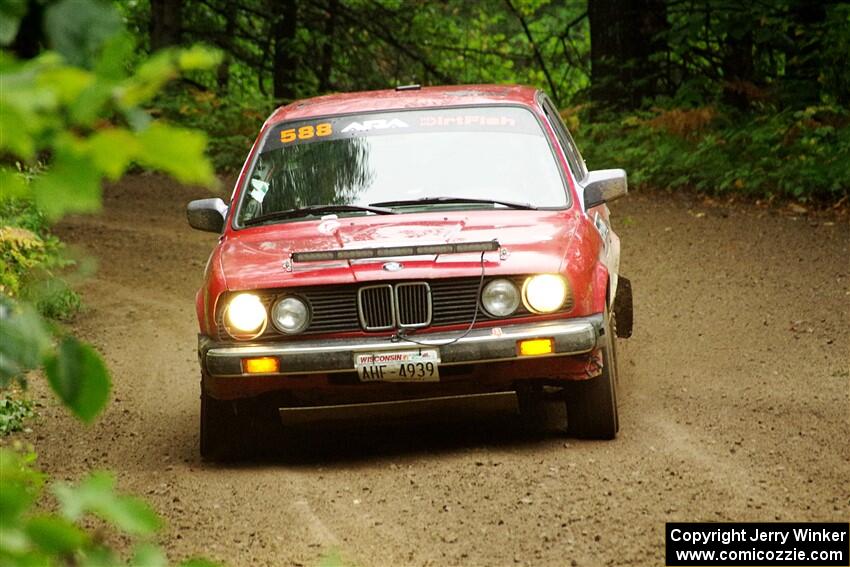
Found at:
<point>260,365</point>
<point>535,347</point>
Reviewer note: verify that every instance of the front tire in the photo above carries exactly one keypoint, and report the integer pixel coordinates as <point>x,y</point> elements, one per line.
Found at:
<point>592,404</point>
<point>218,428</point>
<point>532,408</point>
<point>237,429</point>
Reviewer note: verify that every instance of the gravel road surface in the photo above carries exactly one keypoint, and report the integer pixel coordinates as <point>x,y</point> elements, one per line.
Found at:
<point>733,393</point>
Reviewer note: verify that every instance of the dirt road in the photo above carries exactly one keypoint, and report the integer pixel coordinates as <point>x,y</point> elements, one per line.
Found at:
<point>734,406</point>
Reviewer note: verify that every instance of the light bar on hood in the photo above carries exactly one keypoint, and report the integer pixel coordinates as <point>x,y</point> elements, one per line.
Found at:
<point>393,251</point>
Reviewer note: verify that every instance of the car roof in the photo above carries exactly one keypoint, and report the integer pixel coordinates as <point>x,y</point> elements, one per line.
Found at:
<point>392,99</point>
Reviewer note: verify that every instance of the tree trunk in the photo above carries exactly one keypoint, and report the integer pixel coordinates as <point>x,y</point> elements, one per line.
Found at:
<point>738,68</point>
<point>624,37</point>
<point>29,40</point>
<point>328,48</point>
<point>166,24</point>
<point>285,64</point>
<point>222,73</point>
<point>803,60</point>
<point>605,50</point>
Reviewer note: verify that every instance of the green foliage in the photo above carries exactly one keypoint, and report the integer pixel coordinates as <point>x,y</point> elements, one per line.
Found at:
<point>86,117</point>
<point>230,122</point>
<point>78,376</point>
<point>13,411</point>
<point>96,495</point>
<point>74,371</point>
<point>25,340</point>
<point>73,116</point>
<point>31,259</point>
<point>78,29</point>
<point>11,12</point>
<point>791,154</point>
<point>29,537</point>
<point>55,300</point>
<point>348,45</point>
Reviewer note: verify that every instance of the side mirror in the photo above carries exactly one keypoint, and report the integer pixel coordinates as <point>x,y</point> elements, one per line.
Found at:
<point>603,186</point>
<point>207,214</point>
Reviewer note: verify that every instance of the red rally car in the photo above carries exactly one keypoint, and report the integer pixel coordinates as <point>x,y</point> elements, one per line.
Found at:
<point>410,244</point>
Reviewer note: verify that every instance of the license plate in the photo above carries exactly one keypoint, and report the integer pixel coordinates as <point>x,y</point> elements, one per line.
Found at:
<point>414,365</point>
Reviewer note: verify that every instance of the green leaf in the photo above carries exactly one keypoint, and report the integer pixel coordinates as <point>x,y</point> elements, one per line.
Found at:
<point>98,557</point>
<point>137,118</point>
<point>66,82</point>
<point>78,376</point>
<point>96,495</point>
<point>24,339</point>
<point>199,562</point>
<point>149,78</point>
<point>20,487</point>
<point>12,183</point>
<point>55,535</point>
<point>148,555</point>
<point>89,104</point>
<point>14,500</point>
<point>116,52</point>
<point>177,151</point>
<point>198,58</point>
<point>11,12</point>
<point>72,184</point>
<point>14,411</point>
<point>79,28</point>
<point>112,149</point>
<point>16,132</point>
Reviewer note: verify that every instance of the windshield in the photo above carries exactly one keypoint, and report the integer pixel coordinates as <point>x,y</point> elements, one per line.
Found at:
<point>481,154</point>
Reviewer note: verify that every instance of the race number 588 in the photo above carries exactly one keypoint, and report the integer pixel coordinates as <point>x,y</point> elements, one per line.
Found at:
<point>306,132</point>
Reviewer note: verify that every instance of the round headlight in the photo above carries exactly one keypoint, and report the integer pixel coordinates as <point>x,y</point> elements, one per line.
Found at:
<point>246,314</point>
<point>544,293</point>
<point>500,298</point>
<point>290,315</point>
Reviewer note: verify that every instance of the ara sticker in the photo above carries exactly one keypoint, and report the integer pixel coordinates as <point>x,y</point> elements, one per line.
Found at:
<point>378,124</point>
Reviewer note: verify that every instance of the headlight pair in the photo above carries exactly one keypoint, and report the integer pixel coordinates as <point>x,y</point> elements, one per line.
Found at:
<point>543,293</point>
<point>245,316</point>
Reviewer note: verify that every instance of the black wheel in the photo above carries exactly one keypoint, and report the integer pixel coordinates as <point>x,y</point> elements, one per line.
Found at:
<point>532,408</point>
<point>218,428</point>
<point>236,429</point>
<point>592,404</point>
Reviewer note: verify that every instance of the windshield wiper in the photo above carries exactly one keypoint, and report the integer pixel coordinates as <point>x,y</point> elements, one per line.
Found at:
<point>441,200</point>
<point>316,209</point>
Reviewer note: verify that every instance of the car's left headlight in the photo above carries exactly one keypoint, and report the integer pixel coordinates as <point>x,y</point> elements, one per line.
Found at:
<point>290,315</point>
<point>245,317</point>
<point>545,293</point>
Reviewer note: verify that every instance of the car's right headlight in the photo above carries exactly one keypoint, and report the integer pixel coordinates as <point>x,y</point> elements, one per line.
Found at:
<point>290,315</point>
<point>500,298</point>
<point>245,316</point>
<point>545,293</point>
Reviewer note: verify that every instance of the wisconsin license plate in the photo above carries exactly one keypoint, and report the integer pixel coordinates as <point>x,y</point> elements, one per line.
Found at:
<point>414,365</point>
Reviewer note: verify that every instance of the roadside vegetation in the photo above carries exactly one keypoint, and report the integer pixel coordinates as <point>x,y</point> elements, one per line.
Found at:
<point>724,98</point>
<point>70,118</point>
<point>798,155</point>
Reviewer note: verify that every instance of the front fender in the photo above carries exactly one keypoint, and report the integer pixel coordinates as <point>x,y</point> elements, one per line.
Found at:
<point>600,290</point>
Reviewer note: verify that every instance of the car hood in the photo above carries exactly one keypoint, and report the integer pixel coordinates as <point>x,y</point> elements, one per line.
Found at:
<point>532,242</point>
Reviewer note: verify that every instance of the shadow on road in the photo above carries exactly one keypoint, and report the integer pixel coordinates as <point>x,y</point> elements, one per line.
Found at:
<point>370,440</point>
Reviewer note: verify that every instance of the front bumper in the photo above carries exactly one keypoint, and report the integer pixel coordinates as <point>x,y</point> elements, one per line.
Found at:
<point>485,345</point>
